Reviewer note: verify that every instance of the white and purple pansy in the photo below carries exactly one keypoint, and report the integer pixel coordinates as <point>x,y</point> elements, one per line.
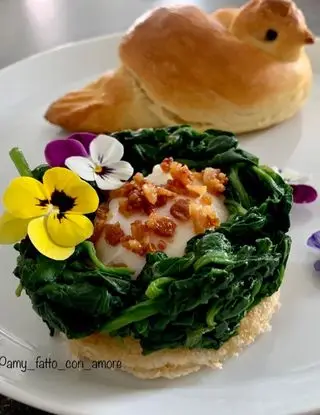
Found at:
<point>302,192</point>
<point>95,158</point>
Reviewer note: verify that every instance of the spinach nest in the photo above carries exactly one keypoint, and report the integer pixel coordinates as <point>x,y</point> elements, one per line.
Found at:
<point>196,301</point>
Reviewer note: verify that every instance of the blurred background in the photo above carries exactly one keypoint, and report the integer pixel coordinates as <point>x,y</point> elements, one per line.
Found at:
<point>32,26</point>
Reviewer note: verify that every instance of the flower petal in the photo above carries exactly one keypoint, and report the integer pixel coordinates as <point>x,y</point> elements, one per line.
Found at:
<point>23,197</point>
<point>59,178</point>
<point>87,200</point>
<point>82,166</point>
<point>57,151</point>
<point>122,170</point>
<point>108,182</point>
<point>12,229</point>
<point>294,177</point>
<point>105,149</point>
<point>314,240</point>
<point>39,237</point>
<point>317,266</point>
<point>303,193</point>
<point>71,230</point>
<point>83,138</point>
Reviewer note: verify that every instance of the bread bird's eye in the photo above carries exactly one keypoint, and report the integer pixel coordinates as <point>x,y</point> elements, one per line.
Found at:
<point>271,35</point>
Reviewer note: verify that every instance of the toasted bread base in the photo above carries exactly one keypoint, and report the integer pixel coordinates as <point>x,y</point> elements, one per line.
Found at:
<point>173,363</point>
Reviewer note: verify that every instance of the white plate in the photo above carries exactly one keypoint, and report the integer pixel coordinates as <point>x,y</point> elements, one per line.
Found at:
<point>279,374</point>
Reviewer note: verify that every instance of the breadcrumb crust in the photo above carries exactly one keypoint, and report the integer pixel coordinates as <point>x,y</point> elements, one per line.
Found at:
<point>173,363</point>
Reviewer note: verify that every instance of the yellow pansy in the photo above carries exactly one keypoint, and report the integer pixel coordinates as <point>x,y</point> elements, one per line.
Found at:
<point>51,213</point>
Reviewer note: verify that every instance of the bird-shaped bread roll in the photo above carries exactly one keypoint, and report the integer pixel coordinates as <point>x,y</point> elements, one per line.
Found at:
<point>238,70</point>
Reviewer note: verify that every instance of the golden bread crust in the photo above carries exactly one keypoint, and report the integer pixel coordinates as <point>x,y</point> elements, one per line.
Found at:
<point>182,66</point>
<point>177,362</point>
<point>111,103</point>
<point>189,63</point>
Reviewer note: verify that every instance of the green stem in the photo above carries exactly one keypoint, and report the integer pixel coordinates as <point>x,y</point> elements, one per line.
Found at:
<point>211,314</point>
<point>20,162</point>
<point>265,177</point>
<point>19,290</point>
<point>100,265</point>
<point>235,208</point>
<point>132,314</point>
<point>238,187</point>
<point>155,288</point>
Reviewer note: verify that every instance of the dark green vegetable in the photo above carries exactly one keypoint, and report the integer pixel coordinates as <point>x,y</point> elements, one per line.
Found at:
<point>221,284</point>
<point>197,300</point>
<point>75,296</point>
<point>147,147</point>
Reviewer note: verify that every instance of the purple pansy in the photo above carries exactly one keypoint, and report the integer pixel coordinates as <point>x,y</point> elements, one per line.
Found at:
<point>302,192</point>
<point>77,144</point>
<point>314,242</point>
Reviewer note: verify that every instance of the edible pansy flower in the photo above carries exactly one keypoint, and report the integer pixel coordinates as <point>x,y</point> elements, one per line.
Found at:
<point>77,144</point>
<point>302,192</point>
<point>314,242</point>
<point>104,165</point>
<point>51,213</point>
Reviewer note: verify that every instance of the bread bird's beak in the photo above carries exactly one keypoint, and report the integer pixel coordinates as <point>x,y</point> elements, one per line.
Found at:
<point>309,38</point>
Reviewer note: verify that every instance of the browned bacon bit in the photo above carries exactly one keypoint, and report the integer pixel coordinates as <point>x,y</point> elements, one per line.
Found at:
<point>99,222</point>
<point>206,199</point>
<point>215,180</point>
<point>163,196</point>
<point>124,209</point>
<point>162,245</point>
<point>165,192</point>
<point>123,191</point>
<point>135,200</point>
<point>133,245</point>
<point>165,164</point>
<point>113,233</point>
<point>97,232</point>
<point>139,179</point>
<point>181,209</point>
<point>203,217</point>
<point>197,175</point>
<point>150,193</point>
<point>196,190</point>
<point>176,187</point>
<point>181,173</point>
<point>139,231</point>
<point>161,225</point>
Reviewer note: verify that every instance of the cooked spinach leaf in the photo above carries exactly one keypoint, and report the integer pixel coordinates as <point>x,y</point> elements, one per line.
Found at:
<point>197,300</point>
<point>73,296</point>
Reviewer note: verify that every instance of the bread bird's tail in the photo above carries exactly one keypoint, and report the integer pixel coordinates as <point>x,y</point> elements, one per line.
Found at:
<point>113,102</point>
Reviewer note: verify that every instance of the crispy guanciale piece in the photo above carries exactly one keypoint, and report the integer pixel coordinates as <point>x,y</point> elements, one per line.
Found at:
<point>203,217</point>
<point>140,232</point>
<point>133,245</point>
<point>113,233</point>
<point>99,222</point>
<point>161,225</point>
<point>181,209</point>
<point>215,180</point>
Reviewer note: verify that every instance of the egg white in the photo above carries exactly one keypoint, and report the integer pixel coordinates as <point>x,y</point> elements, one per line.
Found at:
<point>115,255</point>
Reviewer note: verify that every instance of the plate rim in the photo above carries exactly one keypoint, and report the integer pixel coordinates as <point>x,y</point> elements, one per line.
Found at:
<point>6,388</point>
<point>68,45</point>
